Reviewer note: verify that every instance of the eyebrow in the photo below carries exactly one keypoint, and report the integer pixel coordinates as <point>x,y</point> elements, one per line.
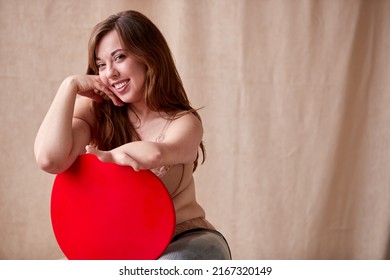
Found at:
<point>112,54</point>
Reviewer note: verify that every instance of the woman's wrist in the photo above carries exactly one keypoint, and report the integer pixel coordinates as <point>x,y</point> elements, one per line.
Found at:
<point>71,84</point>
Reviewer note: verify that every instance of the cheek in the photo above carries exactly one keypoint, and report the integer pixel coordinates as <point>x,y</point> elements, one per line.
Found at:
<point>139,70</point>
<point>142,75</point>
<point>137,78</point>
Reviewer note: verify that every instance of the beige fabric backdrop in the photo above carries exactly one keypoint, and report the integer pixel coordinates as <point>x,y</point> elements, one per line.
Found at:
<point>296,116</point>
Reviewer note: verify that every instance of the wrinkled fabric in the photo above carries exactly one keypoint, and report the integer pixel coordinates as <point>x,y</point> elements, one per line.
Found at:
<point>294,98</point>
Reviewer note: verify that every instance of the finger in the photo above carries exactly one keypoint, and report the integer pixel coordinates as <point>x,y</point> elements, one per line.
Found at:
<point>120,159</point>
<point>100,86</point>
<point>105,90</point>
<point>126,160</point>
<point>99,93</point>
<point>115,99</point>
<point>98,96</point>
<point>102,155</point>
<point>94,95</point>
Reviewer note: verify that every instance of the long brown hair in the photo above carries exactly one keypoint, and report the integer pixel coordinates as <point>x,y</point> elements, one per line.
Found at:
<point>164,91</point>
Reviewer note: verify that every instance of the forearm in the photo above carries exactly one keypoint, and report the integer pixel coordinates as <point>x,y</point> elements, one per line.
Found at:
<point>146,154</point>
<point>53,143</point>
<point>140,155</point>
<point>180,146</point>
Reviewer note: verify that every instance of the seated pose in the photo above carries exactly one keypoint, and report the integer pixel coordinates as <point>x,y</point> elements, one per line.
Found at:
<point>131,109</point>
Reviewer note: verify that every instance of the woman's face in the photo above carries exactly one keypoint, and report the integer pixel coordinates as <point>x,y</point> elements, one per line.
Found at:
<point>119,70</point>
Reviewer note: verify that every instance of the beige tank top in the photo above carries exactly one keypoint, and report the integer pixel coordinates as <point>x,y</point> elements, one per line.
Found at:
<point>179,181</point>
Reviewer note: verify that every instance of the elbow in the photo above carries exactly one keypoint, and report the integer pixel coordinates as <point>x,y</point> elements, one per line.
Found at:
<point>48,164</point>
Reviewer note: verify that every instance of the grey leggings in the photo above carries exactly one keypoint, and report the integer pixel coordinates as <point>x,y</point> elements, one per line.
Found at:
<point>198,244</point>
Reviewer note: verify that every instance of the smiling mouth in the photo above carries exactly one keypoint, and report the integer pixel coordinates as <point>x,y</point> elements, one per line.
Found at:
<point>120,85</point>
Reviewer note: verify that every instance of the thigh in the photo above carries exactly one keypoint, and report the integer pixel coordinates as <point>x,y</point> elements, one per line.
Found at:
<point>198,245</point>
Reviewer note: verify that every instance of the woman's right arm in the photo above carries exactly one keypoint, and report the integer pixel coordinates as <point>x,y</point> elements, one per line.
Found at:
<point>66,128</point>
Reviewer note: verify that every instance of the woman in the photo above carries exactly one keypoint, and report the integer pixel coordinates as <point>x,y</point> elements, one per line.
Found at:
<point>131,109</point>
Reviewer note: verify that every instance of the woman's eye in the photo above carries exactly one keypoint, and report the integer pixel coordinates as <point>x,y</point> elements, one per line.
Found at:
<point>119,57</point>
<point>99,65</point>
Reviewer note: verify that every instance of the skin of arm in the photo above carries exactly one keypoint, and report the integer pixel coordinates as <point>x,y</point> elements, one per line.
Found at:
<point>65,130</point>
<point>179,146</point>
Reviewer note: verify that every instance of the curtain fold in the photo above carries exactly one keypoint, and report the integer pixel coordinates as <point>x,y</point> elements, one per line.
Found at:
<point>294,97</point>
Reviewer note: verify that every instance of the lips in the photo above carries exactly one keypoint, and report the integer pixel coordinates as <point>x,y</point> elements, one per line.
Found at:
<point>121,85</point>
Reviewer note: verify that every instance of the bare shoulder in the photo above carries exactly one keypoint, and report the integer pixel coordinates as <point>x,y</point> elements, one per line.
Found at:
<point>189,120</point>
<point>186,127</point>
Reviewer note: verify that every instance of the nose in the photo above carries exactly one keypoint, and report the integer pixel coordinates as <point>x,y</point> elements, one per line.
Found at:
<point>111,72</point>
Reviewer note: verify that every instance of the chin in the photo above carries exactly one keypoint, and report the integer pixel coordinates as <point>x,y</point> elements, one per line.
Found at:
<point>124,98</point>
<point>131,99</point>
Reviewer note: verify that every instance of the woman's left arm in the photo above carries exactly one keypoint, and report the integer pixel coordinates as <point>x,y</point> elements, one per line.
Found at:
<point>180,145</point>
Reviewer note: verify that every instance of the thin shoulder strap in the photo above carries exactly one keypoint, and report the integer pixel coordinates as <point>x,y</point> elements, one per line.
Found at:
<point>161,136</point>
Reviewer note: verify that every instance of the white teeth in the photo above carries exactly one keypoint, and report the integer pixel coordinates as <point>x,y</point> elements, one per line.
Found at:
<point>120,85</point>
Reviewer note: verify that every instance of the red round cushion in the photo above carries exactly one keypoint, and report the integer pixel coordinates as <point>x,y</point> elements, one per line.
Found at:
<point>103,211</point>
